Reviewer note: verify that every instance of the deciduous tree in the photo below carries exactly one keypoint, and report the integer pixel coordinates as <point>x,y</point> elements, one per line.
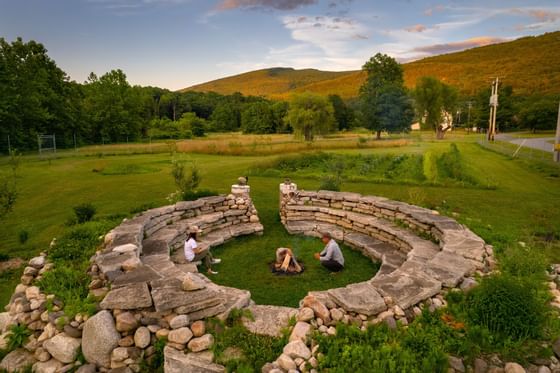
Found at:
<point>309,115</point>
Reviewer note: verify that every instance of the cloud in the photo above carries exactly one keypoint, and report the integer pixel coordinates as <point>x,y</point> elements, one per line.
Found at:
<point>545,18</point>
<point>263,4</point>
<point>458,46</point>
<point>416,28</point>
<point>430,11</point>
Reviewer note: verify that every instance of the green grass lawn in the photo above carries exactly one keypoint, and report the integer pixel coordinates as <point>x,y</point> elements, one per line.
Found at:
<point>524,206</point>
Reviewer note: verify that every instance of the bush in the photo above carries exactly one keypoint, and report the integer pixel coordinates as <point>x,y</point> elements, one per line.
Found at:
<point>524,262</point>
<point>507,306</point>
<point>70,285</point>
<point>80,242</point>
<point>330,183</point>
<point>196,194</point>
<point>84,212</point>
<point>23,236</point>
<point>17,336</point>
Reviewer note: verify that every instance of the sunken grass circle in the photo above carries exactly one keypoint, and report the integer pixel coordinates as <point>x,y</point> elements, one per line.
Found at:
<point>245,265</point>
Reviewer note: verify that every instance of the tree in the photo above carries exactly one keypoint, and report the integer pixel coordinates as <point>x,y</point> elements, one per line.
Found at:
<point>257,117</point>
<point>539,113</point>
<point>279,110</point>
<point>225,117</point>
<point>342,113</point>
<point>310,114</point>
<point>433,100</point>
<point>35,95</point>
<point>113,107</point>
<point>385,105</point>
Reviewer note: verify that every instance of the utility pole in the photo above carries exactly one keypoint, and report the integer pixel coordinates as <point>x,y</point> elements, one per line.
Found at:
<point>557,142</point>
<point>493,110</point>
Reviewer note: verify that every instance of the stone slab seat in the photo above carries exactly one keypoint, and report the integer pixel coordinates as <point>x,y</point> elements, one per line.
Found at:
<point>168,294</point>
<point>406,288</point>
<point>268,320</point>
<point>361,297</point>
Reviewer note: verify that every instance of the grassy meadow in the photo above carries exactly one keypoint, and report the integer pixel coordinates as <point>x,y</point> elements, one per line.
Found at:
<point>521,206</point>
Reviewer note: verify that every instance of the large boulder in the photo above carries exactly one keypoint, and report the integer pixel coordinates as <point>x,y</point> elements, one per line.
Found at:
<point>63,347</point>
<point>268,320</point>
<point>99,338</point>
<point>17,360</point>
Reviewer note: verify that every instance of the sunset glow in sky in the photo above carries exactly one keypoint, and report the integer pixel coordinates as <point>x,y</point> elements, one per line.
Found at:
<point>178,43</point>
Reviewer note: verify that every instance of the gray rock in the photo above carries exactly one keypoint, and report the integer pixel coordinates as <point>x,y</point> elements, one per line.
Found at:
<point>6,320</point>
<point>192,283</point>
<point>297,349</point>
<point>305,314</point>
<point>406,289</point>
<point>180,336</point>
<point>37,262</point>
<point>51,366</point>
<point>17,360</point>
<point>449,268</point>
<point>457,364</point>
<point>201,343</point>
<point>72,332</point>
<point>99,338</point>
<point>360,298</point>
<point>300,332</point>
<point>126,322</point>
<point>514,368</point>
<point>391,322</point>
<point>468,284</point>
<point>113,261</point>
<point>168,294</point>
<point>142,337</point>
<point>480,366</point>
<point>129,297</point>
<point>268,320</point>
<point>544,369</point>
<point>285,362</point>
<point>178,362</point>
<point>179,321</point>
<point>88,368</point>
<point>62,347</point>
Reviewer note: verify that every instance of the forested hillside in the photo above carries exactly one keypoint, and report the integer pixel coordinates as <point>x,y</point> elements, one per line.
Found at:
<point>529,65</point>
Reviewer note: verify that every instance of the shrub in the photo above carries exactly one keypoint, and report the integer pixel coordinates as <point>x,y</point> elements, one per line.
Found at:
<point>507,306</point>
<point>18,336</point>
<point>330,183</point>
<point>84,212</point>
<point>524,262</point>
<point>70,285</point>
<point>4,257</point>
<point>192,195</point>
<point>79,242</point>
<point>23,236</point>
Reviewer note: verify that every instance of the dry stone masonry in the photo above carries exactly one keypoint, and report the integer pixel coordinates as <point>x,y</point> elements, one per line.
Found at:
<point>422,255</point>
<point>148,292</point>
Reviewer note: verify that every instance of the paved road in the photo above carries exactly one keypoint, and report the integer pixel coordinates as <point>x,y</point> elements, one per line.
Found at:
<point>541,143</point>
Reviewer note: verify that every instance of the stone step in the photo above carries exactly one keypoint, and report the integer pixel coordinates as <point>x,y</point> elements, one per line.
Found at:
<point>269,320</point>
<point>406,287</point>
<point>362,298</point>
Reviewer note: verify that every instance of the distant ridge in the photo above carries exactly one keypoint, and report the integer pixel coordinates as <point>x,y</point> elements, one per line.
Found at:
<point>530,65</point>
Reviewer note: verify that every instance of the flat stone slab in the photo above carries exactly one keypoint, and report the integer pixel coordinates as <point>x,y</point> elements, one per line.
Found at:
<point>362,298</point>
<point>449,268</point>
<point>178,362</point>
<point>168,294</point>
<point>113,261</point>
<point>129,297</point>
<point>406,289</point>
<point>465,243</point>
<point>269,320</point>
<point>140,274</point>
<point>154,246</point>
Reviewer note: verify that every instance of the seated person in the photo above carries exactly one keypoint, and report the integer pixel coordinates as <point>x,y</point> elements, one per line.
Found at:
<point>194,253</point>
<point>331,256</point>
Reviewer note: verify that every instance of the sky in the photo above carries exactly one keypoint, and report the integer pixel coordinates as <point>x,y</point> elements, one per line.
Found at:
<point>178,43</point>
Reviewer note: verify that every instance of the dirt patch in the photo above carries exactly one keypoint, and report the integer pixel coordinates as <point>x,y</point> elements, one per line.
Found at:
<point>11,264</point>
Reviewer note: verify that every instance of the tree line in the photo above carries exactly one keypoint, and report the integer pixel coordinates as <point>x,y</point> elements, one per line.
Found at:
<point>37,97</point>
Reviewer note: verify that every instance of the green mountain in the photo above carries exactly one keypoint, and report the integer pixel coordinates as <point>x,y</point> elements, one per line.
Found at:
<point>530,65</point>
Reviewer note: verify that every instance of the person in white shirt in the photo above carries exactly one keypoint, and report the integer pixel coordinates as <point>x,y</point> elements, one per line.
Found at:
<point>195,253</point>
<point>331,256</point>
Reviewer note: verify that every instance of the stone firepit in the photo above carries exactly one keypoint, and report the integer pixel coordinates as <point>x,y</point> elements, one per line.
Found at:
<point>286,262</point>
